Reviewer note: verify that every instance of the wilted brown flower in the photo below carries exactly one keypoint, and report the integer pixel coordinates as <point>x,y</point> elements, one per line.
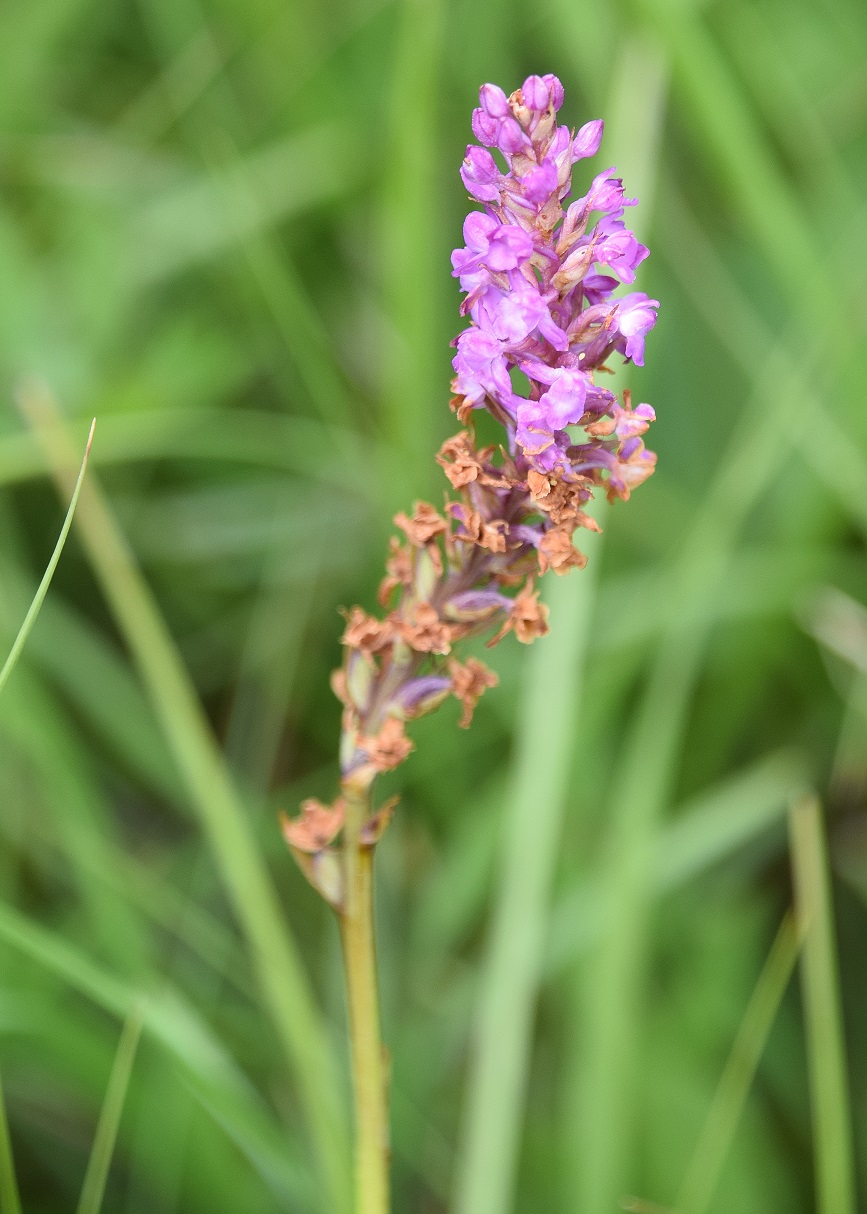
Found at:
<point>389,747</point>
<point>366,633</point>
<point>469,681</point>
<point>317,826</point>
<point>557,552</point>
<point>398,570</point>
<point>425,525</point>
<point>529,616</point>
<point>424,631</point>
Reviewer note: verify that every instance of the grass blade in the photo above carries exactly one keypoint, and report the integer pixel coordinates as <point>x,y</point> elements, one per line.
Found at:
<point>514,962</point>
<point>10,1201</point>
<point>716,826</point>
<point>284,986</point>
<point>826,1053</point>
<point>39,597</point>
<point>93,1189</point>
<point>9,1196</point>
<point>412,237</point>
<point>723,124</point>
<point>648,766</point>
<point>737,1077</point>
<point>214,1077</point>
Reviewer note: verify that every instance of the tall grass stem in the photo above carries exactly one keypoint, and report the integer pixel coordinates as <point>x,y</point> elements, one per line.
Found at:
<point>369,1078</point>
<point>826,1052</point>
<point>740,1069</point>
<point>284,985</point>
<point>99,1164</point>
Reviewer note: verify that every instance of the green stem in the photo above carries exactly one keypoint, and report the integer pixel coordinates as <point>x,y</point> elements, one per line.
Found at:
<point>368,1067</point>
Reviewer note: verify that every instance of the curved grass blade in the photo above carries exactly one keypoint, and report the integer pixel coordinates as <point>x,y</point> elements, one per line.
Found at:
<point>739,1072</point>
<point>93,1189</point>
<point>286,993</point>
<point>39,597</point>
<point>719,824</point>
<point>10,1201</point>
<point>201,1058</point>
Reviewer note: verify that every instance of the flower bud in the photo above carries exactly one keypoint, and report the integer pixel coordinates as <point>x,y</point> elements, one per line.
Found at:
<point>359,679</point>
<point>586,142</point>
<point>555,89</point>
<point>485,128</point>
<point>535,92</point>
<point>494,101</point>
<point>480,174</point>
<point>510,138</point>
<point>475,605</point>
<point>421,696</point>
<point>348,749</point>
<point>426,574</point>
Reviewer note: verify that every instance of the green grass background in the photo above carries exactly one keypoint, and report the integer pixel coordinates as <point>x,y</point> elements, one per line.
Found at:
<point>224,231</point>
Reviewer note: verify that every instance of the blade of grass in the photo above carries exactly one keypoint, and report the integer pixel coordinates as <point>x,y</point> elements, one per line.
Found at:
<point>39,597</point>
<point>69,800</point>
<point>826,1051</point>
<point>412,238</point>
<point>774,418</point>
<point>269,440</point>
<point>714,827</point>
<point>189,225</point>
<point>284,986</point>
<point>212,1074</point>
<point>825,445</point>
<point>96,1177</point>
<point>539,785</point>
<point>10,1201</point>
<point>512,973</point>
<point>725,130</point>
<point>740,1069</point>
<point>9,1198</point>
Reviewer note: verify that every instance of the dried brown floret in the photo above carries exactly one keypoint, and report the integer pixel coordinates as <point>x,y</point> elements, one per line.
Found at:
<point>469,681</point>
<point>530,617</point>
<point>490,535</point>
<point>317,825</point>
<point>424,525</point>
<point>424,631</point>
<point>459,461</point>
<point>366,633</point>
<point>460,405</point>
<point>557,552</point>
<point>540,486</point>
<point>389,747</point>
<point>398,569</point>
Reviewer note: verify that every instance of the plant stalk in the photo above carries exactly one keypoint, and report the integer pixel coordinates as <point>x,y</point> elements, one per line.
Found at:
<point>369,1080</point>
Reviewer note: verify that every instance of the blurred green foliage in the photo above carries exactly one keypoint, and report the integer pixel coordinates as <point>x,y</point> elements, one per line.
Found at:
<point>224,230</point>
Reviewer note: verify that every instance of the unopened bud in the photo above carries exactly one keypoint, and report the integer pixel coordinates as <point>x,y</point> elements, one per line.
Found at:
<point>426,574</point>
<point>359,679</point>
<point>475,605</point>
<point>421,696</point>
